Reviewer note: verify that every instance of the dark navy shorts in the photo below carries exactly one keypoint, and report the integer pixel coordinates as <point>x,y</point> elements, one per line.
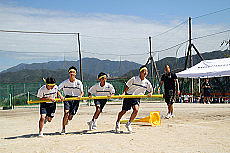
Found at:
<point>207,94</point>
<point>71,105</point>
<point>100,102</point>
<point>48,109</point>
<point>129,102</point>
<point>169,97</point>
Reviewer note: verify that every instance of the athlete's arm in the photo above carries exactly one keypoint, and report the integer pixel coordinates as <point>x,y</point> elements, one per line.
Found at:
<point>125,90</point>
<point>60,95</point>
<point>89,94</point>
<point>177,86</point>
<point>159,88</point>
<point>82,94</point>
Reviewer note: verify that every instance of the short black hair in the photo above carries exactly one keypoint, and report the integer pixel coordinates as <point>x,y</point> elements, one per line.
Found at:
<point>72,67</point>
<point>167,65</point>
<point>101,74</point>
<point>50,80</point>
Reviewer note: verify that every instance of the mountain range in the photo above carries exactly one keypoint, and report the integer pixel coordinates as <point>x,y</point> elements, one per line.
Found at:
<point>92,66</point>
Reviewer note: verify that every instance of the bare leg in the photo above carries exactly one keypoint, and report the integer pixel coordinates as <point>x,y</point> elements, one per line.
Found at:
<point>97,113</point>
<point>205,100</point>
<point>134,113</point>
<point>65,119</point>
<point>41,122</point>
<point>70,117</point>
<point>120,114</point>
<point>170,108</point>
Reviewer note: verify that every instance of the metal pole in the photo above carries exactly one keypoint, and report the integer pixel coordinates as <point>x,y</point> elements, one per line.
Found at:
<point>28,96</point>
<point>151,57</point>
<point>190,41</point>
<point>80,59</point>
<point>190,50</point>
<point>10,97</point>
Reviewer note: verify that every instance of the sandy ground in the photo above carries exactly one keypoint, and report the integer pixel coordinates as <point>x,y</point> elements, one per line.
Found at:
<point>196,128</point>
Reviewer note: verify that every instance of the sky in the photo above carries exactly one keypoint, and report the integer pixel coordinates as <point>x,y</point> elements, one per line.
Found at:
<point>114,30</point>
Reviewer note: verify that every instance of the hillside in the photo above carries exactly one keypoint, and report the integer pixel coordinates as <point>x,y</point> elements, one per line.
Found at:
<point>178,64</point>
<point>91,67</point>
<point>58,69</point>
<point>30,76</point>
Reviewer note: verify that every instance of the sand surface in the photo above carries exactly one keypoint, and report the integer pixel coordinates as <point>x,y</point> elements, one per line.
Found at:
<point>196,128</point>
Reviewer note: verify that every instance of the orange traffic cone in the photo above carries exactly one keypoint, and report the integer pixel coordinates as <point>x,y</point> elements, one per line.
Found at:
<point>154,119</point>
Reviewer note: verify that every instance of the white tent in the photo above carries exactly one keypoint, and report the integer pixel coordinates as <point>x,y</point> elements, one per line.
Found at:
<point>207,68</point>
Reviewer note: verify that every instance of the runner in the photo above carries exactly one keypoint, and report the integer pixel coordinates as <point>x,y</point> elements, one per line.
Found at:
<point>72,87</point>
<point>100,89</point>
<point>135,86</point>
<point>47,109</point>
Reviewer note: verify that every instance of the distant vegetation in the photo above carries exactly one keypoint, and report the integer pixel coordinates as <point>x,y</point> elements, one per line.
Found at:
<point>91,67</point>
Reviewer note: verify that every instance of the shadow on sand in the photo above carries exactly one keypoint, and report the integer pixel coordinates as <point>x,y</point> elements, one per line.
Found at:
<point>68,133</point>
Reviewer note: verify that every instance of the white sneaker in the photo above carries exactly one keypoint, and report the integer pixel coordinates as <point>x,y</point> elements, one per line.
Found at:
<point>94,126</point>
<point>168,116</point>
<point>63,132</point>
<point>117,128</point>
<point>41,134</point>
<point>128,126</point>
<point>90,124</point>
<point>172,115</point>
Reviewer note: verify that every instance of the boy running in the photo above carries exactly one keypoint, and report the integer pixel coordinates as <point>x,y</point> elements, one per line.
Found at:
<point>135,86</point>
<point>100,89</point>
<point>47,109</point>
<point>72,87</point>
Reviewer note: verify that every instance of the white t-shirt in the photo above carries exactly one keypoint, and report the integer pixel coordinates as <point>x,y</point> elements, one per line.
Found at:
<point>138,86</point>
<point>74,88</point>
<point>43,92</point>
<point>98,90</point>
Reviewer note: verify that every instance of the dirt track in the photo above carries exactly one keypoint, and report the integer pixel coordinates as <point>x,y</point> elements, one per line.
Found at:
<point>196,128</point>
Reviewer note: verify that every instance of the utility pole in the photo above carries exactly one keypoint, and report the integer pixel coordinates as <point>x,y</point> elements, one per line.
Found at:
<point>189,52</point>
<point>80,59</point>
<point>153,63</point>
<point>150,56</point>
<point>190,46</point>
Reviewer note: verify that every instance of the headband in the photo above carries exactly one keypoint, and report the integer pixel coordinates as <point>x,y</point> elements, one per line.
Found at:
<point>144,68</point>
<point>51,84</point>
<point>103,76</point>
<point>72,70</point>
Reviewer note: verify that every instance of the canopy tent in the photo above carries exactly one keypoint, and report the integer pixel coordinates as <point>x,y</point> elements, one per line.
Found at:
<point>207,68</point>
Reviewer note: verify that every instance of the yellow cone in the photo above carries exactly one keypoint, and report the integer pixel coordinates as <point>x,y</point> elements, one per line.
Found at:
<point>154,119</point>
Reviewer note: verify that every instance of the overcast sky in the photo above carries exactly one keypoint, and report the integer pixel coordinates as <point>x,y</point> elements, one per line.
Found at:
<point>115,30</point>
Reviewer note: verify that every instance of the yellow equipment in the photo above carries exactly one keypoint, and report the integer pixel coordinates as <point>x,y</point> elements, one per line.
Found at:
<point>154,119</point>
<point>98,97</point>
